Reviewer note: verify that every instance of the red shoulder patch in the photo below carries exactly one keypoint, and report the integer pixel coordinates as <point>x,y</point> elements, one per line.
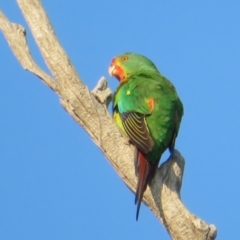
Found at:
<point>150,102</point>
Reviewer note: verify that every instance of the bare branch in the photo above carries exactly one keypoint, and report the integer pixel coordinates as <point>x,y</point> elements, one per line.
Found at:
<point>163,196</point>
<point>15,35</point>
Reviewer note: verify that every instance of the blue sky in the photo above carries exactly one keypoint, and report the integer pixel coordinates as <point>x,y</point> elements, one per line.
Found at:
<point>56,184</point>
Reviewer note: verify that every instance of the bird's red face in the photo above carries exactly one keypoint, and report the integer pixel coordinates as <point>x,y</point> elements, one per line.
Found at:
<point>116,69</point>
<point>126,65</point>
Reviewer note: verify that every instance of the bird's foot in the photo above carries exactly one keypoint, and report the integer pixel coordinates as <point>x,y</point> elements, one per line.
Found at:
<point>127,141</point>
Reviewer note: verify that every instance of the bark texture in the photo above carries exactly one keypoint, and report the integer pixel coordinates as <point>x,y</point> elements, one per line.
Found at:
<point>89,110</point>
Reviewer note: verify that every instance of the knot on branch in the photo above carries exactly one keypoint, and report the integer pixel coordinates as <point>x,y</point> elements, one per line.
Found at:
<point>20,29</point>
<point>102,93</point>
<point>172,170</point>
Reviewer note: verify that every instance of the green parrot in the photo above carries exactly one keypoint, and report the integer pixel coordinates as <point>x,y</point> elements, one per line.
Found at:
<point>147,109</point>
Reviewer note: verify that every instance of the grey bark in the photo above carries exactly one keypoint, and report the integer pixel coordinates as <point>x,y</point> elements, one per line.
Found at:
<point>89,110</point>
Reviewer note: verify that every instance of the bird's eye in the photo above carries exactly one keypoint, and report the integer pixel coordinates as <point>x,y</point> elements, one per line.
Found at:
<point>124,58</point>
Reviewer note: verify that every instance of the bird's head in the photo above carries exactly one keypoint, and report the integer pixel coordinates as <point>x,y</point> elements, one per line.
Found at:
<point>127,65</point>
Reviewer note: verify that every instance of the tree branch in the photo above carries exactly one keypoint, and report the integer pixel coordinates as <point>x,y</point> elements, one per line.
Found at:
<point>16,37</point>
<point>163,196</point>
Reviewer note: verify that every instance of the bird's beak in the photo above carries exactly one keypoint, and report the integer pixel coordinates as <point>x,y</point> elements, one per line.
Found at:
<point>112,70</point>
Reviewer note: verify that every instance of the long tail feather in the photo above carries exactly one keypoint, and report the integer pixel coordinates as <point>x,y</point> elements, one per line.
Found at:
<point>144,172</point>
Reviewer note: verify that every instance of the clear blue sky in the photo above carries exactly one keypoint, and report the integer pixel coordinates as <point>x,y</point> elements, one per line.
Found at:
<point>56,184</point>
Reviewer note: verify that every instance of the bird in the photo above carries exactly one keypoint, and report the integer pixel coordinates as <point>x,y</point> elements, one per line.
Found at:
<point>148,111</point>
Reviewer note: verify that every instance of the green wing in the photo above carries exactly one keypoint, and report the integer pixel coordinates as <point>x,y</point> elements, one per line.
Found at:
<point>131,103</point>
<point>143,123</point>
